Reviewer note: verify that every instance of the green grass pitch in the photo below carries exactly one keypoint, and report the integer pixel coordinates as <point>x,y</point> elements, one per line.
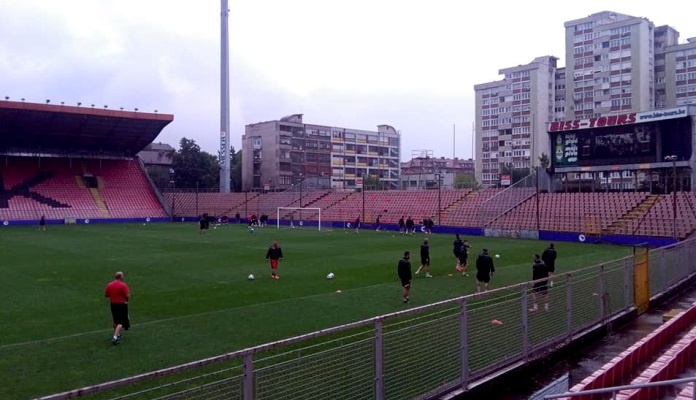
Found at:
<point>191,298</point>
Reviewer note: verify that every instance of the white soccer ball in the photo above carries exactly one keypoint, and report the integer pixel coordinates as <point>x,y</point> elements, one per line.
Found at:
<point>251,230</point>
<point>497,256</point>
<point>330,275</point>
<point>251,277</point>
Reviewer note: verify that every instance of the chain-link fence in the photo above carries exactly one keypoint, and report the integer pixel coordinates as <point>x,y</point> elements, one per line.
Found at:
<point>420,352</point>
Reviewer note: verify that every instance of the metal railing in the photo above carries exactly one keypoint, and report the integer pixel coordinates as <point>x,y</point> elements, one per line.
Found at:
<point>614,390</point>
<point>396,356</point>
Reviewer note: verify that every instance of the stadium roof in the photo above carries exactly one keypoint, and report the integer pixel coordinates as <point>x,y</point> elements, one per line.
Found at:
<point>50,129</point>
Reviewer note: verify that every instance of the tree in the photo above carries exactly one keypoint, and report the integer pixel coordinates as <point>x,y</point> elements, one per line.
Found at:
<point>195,168</point>
<point>465,181</point>
<point>544,160</point>
<point>372,182</point>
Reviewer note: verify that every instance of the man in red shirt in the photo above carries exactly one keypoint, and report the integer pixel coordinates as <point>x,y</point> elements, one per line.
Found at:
<point>117,292</point>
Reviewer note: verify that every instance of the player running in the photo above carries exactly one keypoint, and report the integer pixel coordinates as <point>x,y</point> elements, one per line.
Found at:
<point>275,255</point>
<point>458,251</point>
<point>410,226</point>
<point>425,259</point>
<point>117,291</point>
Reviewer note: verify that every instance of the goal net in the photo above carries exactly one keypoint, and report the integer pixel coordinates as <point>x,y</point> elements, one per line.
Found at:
<point>300,218</point>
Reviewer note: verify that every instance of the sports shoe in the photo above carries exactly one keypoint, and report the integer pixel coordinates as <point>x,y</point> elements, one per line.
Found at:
<point>114,341</point>
<point>276,277</point>
<point>406,300</point>
<point>460,269</point>
<point>428,276</point>
<point>551,284</point>
<point>417,273</point>
<point>465,274</point>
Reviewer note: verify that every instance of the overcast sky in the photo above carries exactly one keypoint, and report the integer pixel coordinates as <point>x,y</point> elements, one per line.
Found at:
<point>357,63</point>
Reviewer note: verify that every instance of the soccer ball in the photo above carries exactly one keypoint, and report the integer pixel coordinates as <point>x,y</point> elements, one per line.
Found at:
<point>330,275</point>
<point>251,230</point>
<point>497,256</point>
<point>251,277</point>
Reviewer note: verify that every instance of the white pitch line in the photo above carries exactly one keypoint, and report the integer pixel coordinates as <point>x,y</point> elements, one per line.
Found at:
<point>223,310</point>
<point>158,321</point>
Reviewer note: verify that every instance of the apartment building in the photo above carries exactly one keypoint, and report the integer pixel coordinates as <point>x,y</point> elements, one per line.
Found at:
<point>610,59</point>
<point>279,154</point>
<point>680,74</point>
<point>614,63</point>
<point>424,170</point>
<point>511,118</point>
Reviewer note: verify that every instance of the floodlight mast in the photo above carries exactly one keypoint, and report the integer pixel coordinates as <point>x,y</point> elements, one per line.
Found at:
<point>224,152</point>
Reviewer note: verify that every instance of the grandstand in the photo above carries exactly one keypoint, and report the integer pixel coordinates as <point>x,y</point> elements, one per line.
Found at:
<point>71,163</point>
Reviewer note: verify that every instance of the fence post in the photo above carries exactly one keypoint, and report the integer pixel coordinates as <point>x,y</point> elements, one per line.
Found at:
<point>248,377</point>
<point>379,359</point>
<point>569,307</point>
<point>627,283</point>
<point>602,294</point>
<point>525,328</point>
<point>464,343</point>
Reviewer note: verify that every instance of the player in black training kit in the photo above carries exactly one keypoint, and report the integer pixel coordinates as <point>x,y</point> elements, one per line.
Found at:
<point>540,273</point>
<point>458,251</point>
<point>484,270</point>
<point>404,270</point>
<point>425,259</point>
<point>549,258</point>
<point>401,225</point>
<point>410,226</point>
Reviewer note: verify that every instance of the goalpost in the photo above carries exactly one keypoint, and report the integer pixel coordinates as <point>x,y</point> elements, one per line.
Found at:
<point>299,218</point>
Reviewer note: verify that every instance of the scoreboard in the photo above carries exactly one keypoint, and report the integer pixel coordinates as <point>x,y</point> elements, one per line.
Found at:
<point>621,139</point>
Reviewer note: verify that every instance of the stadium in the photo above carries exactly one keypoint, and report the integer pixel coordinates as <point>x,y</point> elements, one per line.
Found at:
<point>203,330</point>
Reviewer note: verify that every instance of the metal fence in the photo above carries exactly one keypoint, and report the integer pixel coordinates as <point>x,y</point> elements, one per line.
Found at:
<point>421,352</point>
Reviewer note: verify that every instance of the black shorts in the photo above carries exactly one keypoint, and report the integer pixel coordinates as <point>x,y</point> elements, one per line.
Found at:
<point>425,261</point>
<point>405,282</point>
<point>551,267</point>
<point>119,312</point>
<point>541,287</point>
<point>485,278</point>
<point>462,258</point>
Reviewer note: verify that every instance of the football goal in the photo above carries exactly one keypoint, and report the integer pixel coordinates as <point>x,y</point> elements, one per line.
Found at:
<point>300,218</point>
